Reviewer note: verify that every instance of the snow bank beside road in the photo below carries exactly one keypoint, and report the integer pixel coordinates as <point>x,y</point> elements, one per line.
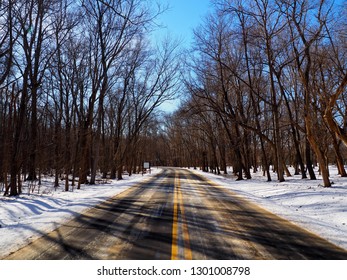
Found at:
<point>29,216</point>
<point>306,203</point>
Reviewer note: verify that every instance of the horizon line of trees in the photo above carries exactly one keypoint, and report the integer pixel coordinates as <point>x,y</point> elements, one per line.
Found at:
<point>266,86</point>
<point>79,85</point>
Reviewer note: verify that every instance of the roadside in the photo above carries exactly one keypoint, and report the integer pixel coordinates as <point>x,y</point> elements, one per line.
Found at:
<point>306,203</point>
<point>29,216</point>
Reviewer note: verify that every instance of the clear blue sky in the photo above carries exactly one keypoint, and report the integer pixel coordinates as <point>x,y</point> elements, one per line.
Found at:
<point>178,22</point>
<point>181,18</point>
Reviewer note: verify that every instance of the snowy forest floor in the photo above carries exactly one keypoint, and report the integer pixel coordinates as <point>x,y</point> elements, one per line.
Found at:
<point>304,202</point>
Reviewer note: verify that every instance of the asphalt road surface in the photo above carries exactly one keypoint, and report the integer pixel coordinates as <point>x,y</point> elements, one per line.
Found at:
<point>179,215</point>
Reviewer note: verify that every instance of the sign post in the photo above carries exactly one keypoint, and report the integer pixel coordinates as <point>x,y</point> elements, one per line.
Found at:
<point>146,166</point>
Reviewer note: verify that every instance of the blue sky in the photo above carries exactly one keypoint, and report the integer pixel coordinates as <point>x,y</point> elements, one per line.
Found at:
<point>182,17</point>
<point>178,22</point>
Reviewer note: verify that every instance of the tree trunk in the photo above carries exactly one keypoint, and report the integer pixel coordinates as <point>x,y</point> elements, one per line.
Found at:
<point>33,140</point>
<point>309,164</point>
<point>84,159</point>
<point>320,156</point>
<point>120,172</point>
<point>339,159</point>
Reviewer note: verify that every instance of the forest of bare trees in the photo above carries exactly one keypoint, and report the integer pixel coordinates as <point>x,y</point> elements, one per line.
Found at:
<point>266,88</point>
<point>79,82</point>
<point>263,87</point>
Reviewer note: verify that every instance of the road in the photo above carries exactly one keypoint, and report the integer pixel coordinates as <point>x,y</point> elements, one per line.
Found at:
<point>179,215</point>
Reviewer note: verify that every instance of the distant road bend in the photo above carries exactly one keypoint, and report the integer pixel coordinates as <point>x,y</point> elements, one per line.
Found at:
<point>179,215</point>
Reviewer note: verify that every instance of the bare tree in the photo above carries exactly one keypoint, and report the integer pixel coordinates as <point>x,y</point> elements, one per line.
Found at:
<point>304,37</point>
<point>7,40</point>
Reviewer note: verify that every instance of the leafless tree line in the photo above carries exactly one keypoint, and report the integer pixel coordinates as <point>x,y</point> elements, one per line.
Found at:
<point>79,82</point>
<point>266,86</point>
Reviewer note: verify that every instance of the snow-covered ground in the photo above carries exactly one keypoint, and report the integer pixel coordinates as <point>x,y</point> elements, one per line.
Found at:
<point>29,216</point>
<point>304,202</point>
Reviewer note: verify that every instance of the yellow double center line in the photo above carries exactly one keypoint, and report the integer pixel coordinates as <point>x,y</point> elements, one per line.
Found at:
<point>179,225</point>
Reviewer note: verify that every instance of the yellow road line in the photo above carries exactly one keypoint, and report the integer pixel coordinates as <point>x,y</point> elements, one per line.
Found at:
<point>179,206</point>
<point>174,246</point>
<point>187,250</point>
